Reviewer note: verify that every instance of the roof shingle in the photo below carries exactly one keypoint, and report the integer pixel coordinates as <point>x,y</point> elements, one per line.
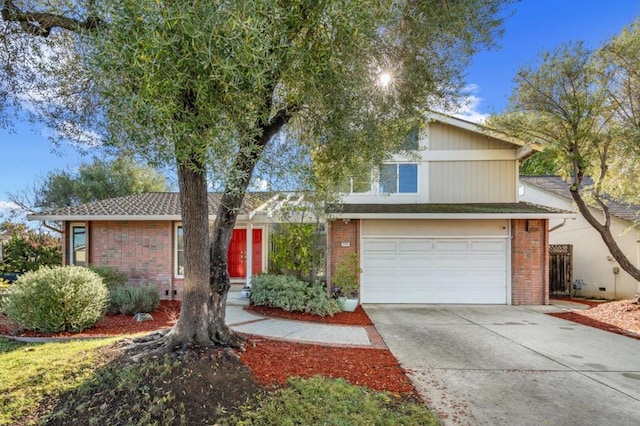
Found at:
<point>558,186</point>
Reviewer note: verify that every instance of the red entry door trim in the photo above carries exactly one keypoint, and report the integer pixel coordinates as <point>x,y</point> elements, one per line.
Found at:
<point>238,253</point>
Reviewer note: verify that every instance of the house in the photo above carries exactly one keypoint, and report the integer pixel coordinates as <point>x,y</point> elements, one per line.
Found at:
<point>597,273</point>
<point>446,225</point>
<point>440,224</point>
<point>142,236</point>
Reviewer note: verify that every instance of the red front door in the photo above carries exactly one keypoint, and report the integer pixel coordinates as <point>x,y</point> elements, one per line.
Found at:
<point>238,253</point>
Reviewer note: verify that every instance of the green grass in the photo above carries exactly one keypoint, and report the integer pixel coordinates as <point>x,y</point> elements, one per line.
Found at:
<point>75,380</point>
<point>32,372</point>
<point>325,401</point>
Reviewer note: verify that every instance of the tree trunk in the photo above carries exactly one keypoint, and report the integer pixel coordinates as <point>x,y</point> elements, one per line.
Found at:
<point>605,233</point>
<point>202,317</point>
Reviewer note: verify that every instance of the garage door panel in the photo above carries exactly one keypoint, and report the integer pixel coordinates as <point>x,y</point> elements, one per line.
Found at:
<point>373,246</point>
<point>491,245</point>
<point>451,245</point>
<point>487,262</point>
<point>434,270</point>
<point>415,245</point>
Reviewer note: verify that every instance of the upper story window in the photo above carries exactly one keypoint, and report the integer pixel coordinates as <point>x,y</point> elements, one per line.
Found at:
<point>399,178</point>
<point>78,242</point>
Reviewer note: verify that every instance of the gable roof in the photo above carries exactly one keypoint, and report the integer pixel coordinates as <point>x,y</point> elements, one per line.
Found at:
<point>147,206</point>
<point>556,185</point>
<point>527,148</point>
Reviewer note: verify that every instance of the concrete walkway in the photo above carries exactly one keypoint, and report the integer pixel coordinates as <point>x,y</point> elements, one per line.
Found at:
<point>513,365</point>
<point>299,331</point>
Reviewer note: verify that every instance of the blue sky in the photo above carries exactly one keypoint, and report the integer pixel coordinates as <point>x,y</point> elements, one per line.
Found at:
<point>536,25</point>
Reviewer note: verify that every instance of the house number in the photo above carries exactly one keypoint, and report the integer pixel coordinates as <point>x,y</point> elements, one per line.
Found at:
<point>345,244</point>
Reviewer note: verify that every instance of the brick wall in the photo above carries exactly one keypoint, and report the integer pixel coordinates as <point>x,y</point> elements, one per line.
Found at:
<point>142,250</point>
<point>340,232</point>
<point>529,262</point>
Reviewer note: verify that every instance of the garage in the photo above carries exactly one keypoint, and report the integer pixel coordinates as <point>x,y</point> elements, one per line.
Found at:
<point>419,263</point>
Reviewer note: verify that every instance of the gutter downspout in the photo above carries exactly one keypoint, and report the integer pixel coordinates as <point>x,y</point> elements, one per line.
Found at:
<point>558,226</point>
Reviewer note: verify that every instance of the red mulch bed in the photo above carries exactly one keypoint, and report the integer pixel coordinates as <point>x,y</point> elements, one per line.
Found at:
<point>273,361</point>
<point>576,317</point>
<point>111,325</point>
<point>618,314</point>
<point>359,317</point>
<point>591,303</point>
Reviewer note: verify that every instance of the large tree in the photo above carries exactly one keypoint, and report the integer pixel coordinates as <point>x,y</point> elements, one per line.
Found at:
<point>210,84</point>
<point>585,106</point>
<point>98,180</point>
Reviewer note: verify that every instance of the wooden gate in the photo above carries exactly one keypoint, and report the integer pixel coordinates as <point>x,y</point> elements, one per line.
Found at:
<point>560,269</point>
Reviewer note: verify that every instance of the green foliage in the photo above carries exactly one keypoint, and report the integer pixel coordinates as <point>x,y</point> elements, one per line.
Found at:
<point>325,401</point>
<point>542,163</point>
<point>294,251</point>
<point>57,299</point>
<point>291,294</point>
<point>5,292</point>
<point>243,64</point>
<point>346,276</point>
<point>111,276</point>
<point>97,181</point>
<point>130,299</point>
<point>30,250</point>
<point>583,104</point>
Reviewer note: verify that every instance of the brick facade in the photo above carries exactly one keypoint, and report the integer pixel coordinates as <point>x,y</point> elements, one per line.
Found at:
<point>141,249</point>
<point>529,262</point>
<point>339,234</point>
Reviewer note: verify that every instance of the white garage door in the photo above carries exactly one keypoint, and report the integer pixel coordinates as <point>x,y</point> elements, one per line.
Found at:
<point>434,270</point>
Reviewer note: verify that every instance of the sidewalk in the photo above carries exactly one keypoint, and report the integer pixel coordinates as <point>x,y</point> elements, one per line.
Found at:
<point>299,331</point>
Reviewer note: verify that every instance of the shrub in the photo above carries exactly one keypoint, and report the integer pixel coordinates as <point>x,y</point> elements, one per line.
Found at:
<point>290,294</point>
<point>130,299</point>
<point>346,276</point>
<point>111,276</point>
<point>69,298</point>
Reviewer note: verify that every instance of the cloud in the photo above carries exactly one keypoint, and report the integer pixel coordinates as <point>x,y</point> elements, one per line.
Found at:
<point>260,185</point>
<point>469,106</point>
<point>10,211</point>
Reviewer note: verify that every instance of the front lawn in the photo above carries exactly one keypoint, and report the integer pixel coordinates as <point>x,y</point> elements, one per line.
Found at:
<point>88,382</point>
<point>33,373</point>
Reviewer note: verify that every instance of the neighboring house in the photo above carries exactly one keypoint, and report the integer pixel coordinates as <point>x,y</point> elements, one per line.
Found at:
<point>445,225</point>
<point>593,266</point>
<point>142,236</point>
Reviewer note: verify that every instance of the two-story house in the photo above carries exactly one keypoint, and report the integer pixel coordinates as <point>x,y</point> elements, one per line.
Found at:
<point>446,225</point>
<point>442,225</point>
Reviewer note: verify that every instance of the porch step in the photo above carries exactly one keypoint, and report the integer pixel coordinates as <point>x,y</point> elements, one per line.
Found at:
<point>234,298</point>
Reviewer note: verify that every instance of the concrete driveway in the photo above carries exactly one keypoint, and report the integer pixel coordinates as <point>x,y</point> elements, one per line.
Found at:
<point>511,365</point>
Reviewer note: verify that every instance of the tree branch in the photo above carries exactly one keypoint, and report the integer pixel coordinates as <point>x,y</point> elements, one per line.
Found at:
<point>41,23</point>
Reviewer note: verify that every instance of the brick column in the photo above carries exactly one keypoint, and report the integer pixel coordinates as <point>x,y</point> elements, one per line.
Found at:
<point>339,232</point>
<point>529,262</point>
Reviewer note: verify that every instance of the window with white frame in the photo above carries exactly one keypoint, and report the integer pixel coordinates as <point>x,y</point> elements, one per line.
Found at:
<point>399,178</point>
<point>179,255</point>
<point>78,245</point>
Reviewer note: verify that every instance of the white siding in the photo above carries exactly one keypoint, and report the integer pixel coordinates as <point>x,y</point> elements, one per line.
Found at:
<point>590,254</point>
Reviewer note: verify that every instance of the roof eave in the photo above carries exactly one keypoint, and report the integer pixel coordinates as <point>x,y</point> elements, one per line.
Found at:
<point>118,218</point>
<point>564,215</point>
